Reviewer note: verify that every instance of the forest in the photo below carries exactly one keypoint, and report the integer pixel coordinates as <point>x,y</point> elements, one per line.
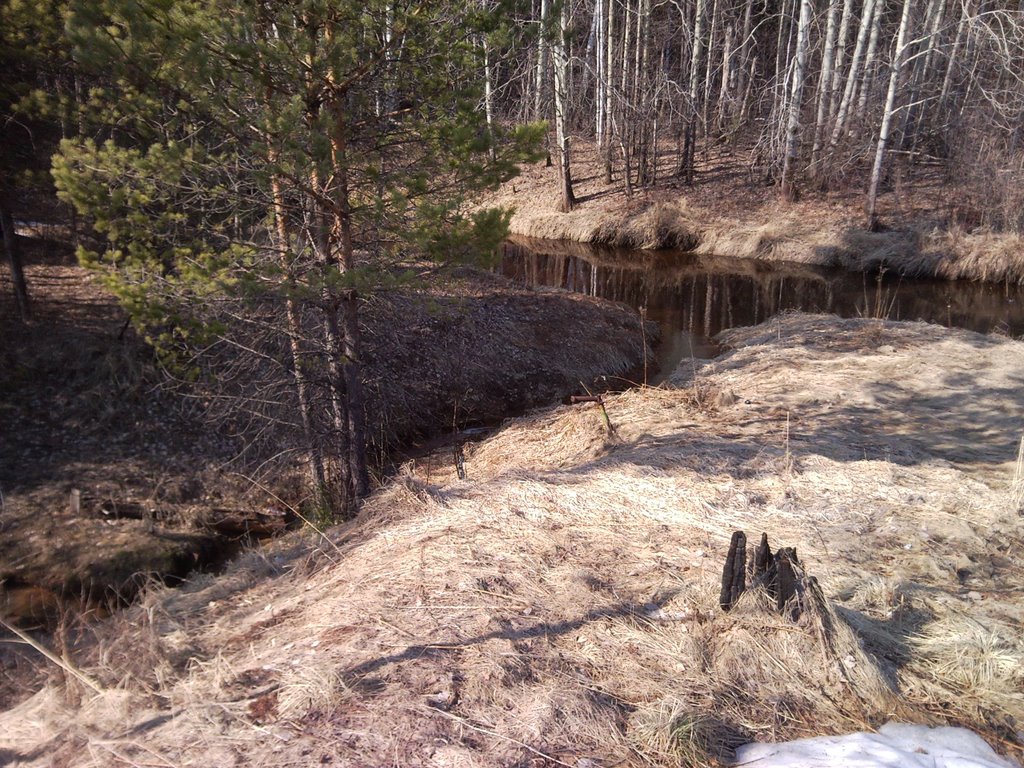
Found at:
<point>282,158</point>
<point>397,383</point>
<point>813,94</point>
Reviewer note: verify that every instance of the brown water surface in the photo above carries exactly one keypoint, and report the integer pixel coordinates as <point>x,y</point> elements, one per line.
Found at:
<point>694,297</point>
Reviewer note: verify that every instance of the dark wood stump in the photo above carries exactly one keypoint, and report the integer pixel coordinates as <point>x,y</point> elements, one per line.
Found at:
<point>779,574</point>
<point>762,558</point>
<point>734,581</point>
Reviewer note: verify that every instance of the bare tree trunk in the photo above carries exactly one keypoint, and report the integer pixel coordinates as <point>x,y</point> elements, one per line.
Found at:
<point>686,169</point>
<point>641,85</point>
<point>317,475</point>
<point>723,92</point>
<point>561,66</point>
<point>916,112</point>
<point>824,85</point>
<point>709,73</point>
<point>13,248</point>
<point>359,477</point>
<point>869,62</point>
<point>947,79</point>
<point>745,75</point>
<point>780,63</point>
<point>638,49</point>
<point>489,96</point>
<point>319,226</point>
<point>542,63</point>
<point>867,16</point>
<point>835,89</point>
<point>626,40</point>
<point>351,368</point>
<point>601,78</point>
<point>609,88</point>
<point>890,100</point>
<point>789,191</point>
<point>751,77</point>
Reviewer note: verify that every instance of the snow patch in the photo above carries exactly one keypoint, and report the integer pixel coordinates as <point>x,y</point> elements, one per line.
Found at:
<point>896,745</point>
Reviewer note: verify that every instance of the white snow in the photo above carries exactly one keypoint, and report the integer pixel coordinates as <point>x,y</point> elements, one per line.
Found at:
<point>895,745</point>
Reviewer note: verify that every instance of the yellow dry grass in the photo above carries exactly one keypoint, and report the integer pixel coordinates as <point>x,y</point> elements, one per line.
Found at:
<point>559,607</point>
<point>810,232</point>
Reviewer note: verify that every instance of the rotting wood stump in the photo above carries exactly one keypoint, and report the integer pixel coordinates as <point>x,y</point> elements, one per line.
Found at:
<point>780,575</point>
<point>734,581</point>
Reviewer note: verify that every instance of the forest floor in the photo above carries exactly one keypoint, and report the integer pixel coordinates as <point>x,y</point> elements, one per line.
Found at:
<point>928,224</point>
<point>162,490</point>
<point>560,605</point>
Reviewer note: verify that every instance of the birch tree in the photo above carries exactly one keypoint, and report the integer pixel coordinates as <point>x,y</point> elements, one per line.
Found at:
<point>560,63</point>
<point>686,163</point>
<point>796,102</point>
<point>887,115</point>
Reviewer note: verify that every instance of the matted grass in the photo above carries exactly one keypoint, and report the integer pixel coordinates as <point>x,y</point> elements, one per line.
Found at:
<point>559,605</point>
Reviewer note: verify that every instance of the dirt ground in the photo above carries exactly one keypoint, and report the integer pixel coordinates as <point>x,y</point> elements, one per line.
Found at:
<point>560,605</point>
<point>924,230</point>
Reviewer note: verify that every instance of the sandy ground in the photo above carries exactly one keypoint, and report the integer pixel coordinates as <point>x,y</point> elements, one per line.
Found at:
<point>559,606</point>
<point>728,212</point>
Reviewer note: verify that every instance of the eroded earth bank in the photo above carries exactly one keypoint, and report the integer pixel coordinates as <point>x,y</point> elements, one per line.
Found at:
<point>166,485</point>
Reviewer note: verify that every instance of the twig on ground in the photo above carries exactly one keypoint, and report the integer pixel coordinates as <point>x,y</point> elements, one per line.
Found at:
<point>50,656</point>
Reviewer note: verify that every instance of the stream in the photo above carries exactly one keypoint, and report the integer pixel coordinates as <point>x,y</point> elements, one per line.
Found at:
<point>694,297</point>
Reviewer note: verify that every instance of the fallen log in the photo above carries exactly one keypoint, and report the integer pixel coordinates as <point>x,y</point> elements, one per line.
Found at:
<point>244,522</point>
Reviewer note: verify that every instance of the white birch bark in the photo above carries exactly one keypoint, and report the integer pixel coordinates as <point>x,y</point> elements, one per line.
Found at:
<point>709,68</point>
<point>489,96</point>
<point>694,91</point>
<point>867,16</point>
<point>561,67</point>
<point>626,39</point>
<point>870,64</point>
<point>599,87</point>
<point>609,88</point>
<point>795,101</point>
<point>947,79</point>
<point>922,72</point>
<point>723,93</point>
<point>840,57</point>
<point>890,101</point>
<point>542,63</point>
<point>824,83</point>
<point>744,76</point>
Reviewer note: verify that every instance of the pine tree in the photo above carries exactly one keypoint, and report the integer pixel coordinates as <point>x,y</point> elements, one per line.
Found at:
<point>284,157</point>
<point>36,106</point>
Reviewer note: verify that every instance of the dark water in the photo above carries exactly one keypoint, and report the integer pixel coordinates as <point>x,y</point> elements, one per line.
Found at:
<point>693,298</point>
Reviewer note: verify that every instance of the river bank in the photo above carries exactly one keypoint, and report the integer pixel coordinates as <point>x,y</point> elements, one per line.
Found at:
<point>161,490</point>
<point>560,604</point>
<point>927,228</point>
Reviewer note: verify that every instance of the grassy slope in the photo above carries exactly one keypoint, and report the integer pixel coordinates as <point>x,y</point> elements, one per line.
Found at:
<point>80,407</point>
<point>560,603</point>
<point>727,214</point>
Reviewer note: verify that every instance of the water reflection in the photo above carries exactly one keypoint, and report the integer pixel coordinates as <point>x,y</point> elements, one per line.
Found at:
<point>694,297</point>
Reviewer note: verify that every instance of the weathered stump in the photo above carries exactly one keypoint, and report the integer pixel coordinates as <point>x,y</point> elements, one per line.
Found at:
<point>734,574</point>
<point>782,578</point>
<point>762,558</point>
<point>779,574</point>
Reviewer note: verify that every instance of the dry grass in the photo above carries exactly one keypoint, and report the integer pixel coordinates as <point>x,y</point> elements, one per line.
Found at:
<point>559,606</point>
<point>82,407</point>
<point>727,215</point>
